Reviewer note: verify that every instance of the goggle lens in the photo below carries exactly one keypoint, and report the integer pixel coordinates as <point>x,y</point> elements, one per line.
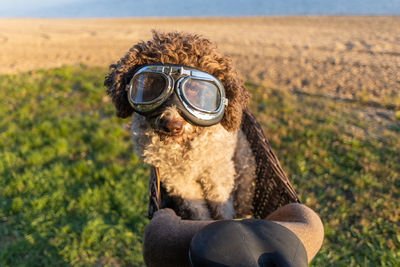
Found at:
<point>147,86</point>
<point>202,94</point>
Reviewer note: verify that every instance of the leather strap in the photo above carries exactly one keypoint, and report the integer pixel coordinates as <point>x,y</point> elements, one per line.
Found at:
<point>154,189</point>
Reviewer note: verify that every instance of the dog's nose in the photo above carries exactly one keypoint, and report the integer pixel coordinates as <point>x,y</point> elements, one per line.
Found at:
<point>172,126</point>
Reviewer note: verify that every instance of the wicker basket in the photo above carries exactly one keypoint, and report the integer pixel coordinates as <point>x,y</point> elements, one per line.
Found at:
<point>273,188</point>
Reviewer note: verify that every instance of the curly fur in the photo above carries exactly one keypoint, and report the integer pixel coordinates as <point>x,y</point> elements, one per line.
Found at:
<point>210,168</point>
<point>183,49</point>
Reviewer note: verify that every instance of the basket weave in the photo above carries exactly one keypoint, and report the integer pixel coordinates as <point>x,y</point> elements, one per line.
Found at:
<point>272,189</point>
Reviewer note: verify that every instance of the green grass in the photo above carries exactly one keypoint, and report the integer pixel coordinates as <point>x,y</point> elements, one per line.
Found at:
<point>71,190</point>
<point>73,193</point>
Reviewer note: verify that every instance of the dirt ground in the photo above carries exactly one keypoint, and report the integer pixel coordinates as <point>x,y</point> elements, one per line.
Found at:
<point>345,57</point>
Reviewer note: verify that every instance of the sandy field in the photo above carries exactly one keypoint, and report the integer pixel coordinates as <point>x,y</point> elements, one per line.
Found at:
<point>354,58</point>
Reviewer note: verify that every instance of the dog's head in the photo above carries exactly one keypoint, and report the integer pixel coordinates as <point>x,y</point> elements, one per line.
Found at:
<point>181,49</point>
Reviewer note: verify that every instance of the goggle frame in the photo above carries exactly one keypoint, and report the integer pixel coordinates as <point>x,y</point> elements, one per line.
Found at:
<point>176,76</point>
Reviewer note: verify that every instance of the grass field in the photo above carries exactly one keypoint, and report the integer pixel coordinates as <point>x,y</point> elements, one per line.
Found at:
<point>72,193</point>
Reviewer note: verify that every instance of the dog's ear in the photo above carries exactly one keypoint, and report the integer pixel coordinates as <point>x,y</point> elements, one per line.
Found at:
<point>116,82</point>
<point>238,98</point>
<point>122,72</point>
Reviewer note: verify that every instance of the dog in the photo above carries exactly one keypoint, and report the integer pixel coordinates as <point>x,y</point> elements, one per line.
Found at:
<point>210,169</point>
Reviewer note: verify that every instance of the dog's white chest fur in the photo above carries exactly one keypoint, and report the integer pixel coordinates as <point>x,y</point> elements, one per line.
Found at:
<point>201,171</point>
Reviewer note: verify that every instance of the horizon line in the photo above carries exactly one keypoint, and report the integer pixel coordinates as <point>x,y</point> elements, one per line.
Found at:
<point>221,16</point>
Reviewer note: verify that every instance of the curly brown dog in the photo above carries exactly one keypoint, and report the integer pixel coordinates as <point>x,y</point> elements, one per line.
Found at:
<point>196,162</point>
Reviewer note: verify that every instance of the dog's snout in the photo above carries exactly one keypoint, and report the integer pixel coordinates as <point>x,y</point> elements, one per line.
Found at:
<point>171,126</point>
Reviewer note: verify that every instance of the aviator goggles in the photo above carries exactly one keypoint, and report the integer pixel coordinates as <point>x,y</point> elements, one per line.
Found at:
<point>199,96</point>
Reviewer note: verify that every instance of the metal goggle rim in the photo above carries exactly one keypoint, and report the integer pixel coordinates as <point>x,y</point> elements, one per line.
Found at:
<point>183,76</point>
